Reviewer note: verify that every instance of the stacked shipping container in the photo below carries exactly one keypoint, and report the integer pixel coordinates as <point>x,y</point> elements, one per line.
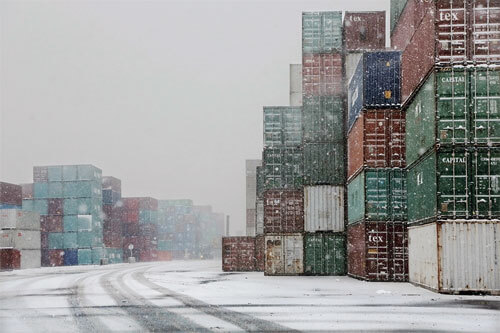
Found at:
<point>324,143</point>
<point>453,141</point>
<point>10,196</point>
<point>112,223</point>
<point>251,183</point>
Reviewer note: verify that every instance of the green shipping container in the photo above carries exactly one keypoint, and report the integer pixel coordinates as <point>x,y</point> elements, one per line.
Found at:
<point>70,223</point>
<point>378,195</point>
<point>98,254</point>
<point>324,164</point>
<point>397,7</point>
<point>282,126</point>
<point>321,32</point>
<point>323,118</point>
<point>55,189</point>
<point>283,168</point>
<point>56,240</point>
<point>84,257</point>
<point>467,111</point>
<point>85,239</point>
<point>70,240</point>
<point>325,254</point>
<point>455,183</point>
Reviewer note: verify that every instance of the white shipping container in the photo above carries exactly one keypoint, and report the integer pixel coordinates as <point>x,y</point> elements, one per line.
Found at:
<point>259,217</point>
<point>284,254</point>
<point>19,219</point>
<point>351,63</point>
<point>295,85</point>
<point>455,256</point>
<point>324,208</point>
<point>31,259</point>
<point>20,239</point>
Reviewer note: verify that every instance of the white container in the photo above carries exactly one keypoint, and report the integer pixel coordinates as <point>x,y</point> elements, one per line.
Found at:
<point>19,219</point>
<point>351,63</point>
<point>324,208</point>
<point>20,239</point>
<point>251,222</point>
<point>259,217</point>
<point>295,85</point>
<point>30,258</point>
<point>455,256</point>
<point>284,254</point>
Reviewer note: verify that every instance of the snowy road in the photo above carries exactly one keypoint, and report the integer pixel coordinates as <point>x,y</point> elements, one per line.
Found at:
<point>197,296</point>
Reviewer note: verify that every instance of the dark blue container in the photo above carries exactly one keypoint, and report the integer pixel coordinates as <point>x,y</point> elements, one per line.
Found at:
<point>70,257</point>
<point>376,83</point>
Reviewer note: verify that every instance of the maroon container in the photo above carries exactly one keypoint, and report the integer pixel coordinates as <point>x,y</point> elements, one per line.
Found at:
<point>409,21</point>
<point>27,191</point>
<point>52,258</point>
<point>238,254</point>
<point>111,183</point>
<point>11,194</point>
<point>142,203</point>
<point>377,140</point>
<point>322,74</point>
<point>112,239</point>
<point>378,251</point>
<point>485,32</point>
<point>10,259</point>
<point>44,240</point>
<point>55,206</point>
<point>364,31</point>
<point>51,223</point>
<point>283,211</point>
<point>260,251</point>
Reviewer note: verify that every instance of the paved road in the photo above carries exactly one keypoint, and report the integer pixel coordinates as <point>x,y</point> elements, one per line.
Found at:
<point>198,297</point>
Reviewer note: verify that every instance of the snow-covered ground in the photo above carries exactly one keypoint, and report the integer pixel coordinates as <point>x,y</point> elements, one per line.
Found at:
<point>198,296</point>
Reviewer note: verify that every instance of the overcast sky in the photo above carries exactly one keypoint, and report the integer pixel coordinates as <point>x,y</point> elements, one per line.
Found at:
<point>165,95</point>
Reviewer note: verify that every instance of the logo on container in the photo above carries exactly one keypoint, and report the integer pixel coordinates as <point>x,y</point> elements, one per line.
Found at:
<point>448,16</point>
<point>453,79</point>
<point>375,239</point>
<point>451,160</point>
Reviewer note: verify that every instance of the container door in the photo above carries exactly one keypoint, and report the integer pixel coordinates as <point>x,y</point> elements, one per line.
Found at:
<point>376,139</point>
<point>274,255</point>
<point>314,254</point>
<point>377,194</point>
<point>294,255</point>
<point>485,17</point>
<point>334,254</point>
<point>398,195</point>
<point>451,31</point>
<point>453,184</point>
<point>486,173</point>
<point>377,258</point>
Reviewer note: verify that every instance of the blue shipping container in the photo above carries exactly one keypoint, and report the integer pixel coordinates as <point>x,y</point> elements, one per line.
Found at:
<point>8,206</point>
<point>70,257</point>
<point>376,83</point>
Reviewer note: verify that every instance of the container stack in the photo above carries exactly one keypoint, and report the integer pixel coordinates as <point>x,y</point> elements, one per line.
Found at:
<point>323,143</point>
<point>259,219</point>
<point>112,223</point>
<point>177,228</point>
<point>10,196</point>
<point>251,182</point>
<point>69,201</point>
<point>140,228</point>
<point>207,233</point>
<point>453,142</point>
<point>19,239</point>
<point>283,195</point>
<point>377,206</point>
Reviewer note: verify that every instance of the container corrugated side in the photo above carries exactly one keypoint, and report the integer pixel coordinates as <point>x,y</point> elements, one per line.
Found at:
<point>284,254</point>
<point>30,258</point>
<point>282,126</point>
<point>396,9</point>
<point>20,239</point>
<point>323,119</point>
<point>364,31</point>
<point>324,163</point>
<point>456,256</point>
<point>324,208</point>
<point>19,219</point>
<point>259,217</point>
<point>295,85</point>
<point>321,32</point>
<point>325,254</point>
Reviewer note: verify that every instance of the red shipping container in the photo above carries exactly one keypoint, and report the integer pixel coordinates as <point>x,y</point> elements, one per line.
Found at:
<point>260,251</point>
<point>376,140</point>
<point>11,194</point>
<point>27,191</point>
<point>322,74</point>
<point>164,255</point>
<point>130,204</point>
<point>364,31</point>
<point>409,21</point>
<point>10,259</point>
<point>51,223</point>
<point>378,251</point>
<point>52,258</point>
<point>55,206</point>
<point>44,240</point>
<point>485,17</point>
<point>283,211</point>
<point>238,254</point>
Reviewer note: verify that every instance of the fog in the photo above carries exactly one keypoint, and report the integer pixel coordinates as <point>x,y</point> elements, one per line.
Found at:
<point>165,95</point>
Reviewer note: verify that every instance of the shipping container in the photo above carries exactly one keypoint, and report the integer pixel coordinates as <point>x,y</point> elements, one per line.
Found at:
<point>455,183</point>
<point>323,119</point>
<point>283,211</point>
<point>295,85</point>
<point>112,183</point>
<point>322,74</point>
<point>52,258</point>
<point>397,7</point>
<point>283,168</point>
<point>455,256</point>
<point>324,163</point>
<point>375,83</point>
<point>250,222</point>
<point>282,126</point>
<point>27,191</point>
<point>30,258</point>
<point>70,257</point>
<point>98,255</point>
<point>84,257</point>
<point>378,195</point>
<point>260,181</point>
<point>324,208</point>
<point>55,207</point>
<point>350,64</point>
<point>52,223</point>
<point>19,219</point>
<point>321,32</point>
<point>325,254</point>
<point>376,140</point>
<point>378,251</point>
<point>11,194</point>
<point>284,254</point>
<point>260,253</point>
<point>259,217</point>
<point>20,239</point>
<point>238,254</point>
<point>364,31</point>
<point>411,15</point>
<point>10,259</point>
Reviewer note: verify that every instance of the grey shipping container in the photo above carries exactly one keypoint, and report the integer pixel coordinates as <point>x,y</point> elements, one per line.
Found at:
<point>324,208</point>
<point>284,254</point>
<point>321,32</point>
<point>282,126</point>
<point>295,85</point>
<point>19,219</point>
<point>20,239</point>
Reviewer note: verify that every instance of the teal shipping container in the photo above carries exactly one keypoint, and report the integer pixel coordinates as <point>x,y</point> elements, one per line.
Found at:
<point>283,168</point>
<point>84,257</point>
<point>282,126</point>
<point>324,163</point>
<point>56,240</point>
<point>323,119</point>
<point>70,240</point>
<point>321,32</point>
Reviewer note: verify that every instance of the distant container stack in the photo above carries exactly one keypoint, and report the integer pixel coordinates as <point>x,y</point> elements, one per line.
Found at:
<point>112,223</point>
<point>251,182</point>
<point>69,201</point>
<point>10,196</point>
<point>453,142</point>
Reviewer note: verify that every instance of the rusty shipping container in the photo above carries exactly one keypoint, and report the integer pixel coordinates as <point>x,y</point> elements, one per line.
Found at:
<point>322,74</point>
<point>10,259</point>
<point>376,140</point>
<point>378,251</point>
<point>260,253</point>
<point>284,254</point>
<point>10,194</point>
<point>283,211</point>
<point>52,258</point>
<point>364,31</point>
<point>455,256</point>
<point>238,254</point>
<point>324,208</point>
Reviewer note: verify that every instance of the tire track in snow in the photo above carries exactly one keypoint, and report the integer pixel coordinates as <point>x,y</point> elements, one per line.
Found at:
<point>245,321</point>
